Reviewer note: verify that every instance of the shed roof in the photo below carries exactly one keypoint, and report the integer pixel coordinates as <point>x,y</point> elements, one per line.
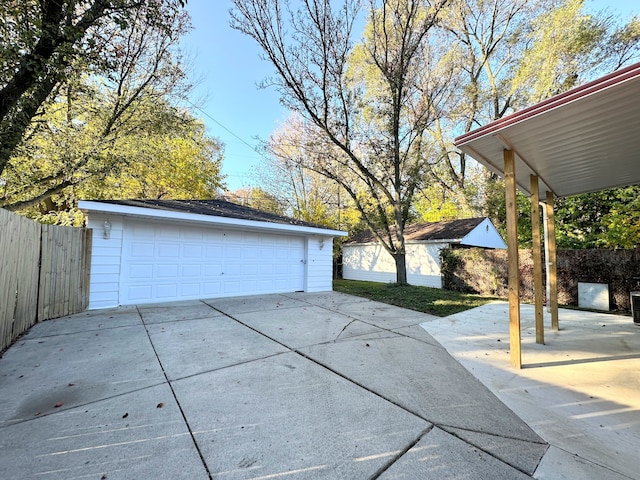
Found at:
<point>207,211</point>
<point>428,231</point>
<point>583,140</point>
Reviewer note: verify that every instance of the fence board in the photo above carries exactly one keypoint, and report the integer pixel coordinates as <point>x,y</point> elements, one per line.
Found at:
<point>44,273</point>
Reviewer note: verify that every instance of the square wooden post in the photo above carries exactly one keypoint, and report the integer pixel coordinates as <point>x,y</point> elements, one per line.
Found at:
<point>551,261</point>
<point>537,259</point>
<point>512,253</point>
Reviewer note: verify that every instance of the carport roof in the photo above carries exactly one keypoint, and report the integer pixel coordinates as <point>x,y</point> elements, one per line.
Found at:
<point>583,140</point>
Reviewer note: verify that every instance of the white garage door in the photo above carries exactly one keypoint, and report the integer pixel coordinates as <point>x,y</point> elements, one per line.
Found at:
<point>166,262</point>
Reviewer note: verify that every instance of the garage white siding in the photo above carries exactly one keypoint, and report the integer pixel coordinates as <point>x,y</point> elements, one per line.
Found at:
<point>166,262</point>
<point>106,259</point>
<point>319,264</point>
<point>371,262</point>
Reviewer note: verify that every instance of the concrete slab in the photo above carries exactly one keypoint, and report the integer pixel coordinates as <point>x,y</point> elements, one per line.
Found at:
<point>560,465</point>
<point>425,380</point>
<point>123,437</point>
<point>86,322</point>
<point>417,333</point>
<point>382,315</point>
<point>578,391</point>
<point>188,347</point>
<point>174,312</point>
<point>308,325</point>
<point>350,405</point>
<point>254,303</point>
<point>287,417</point>
<point>441,456</point>
<point>522,455</point>
<point>74,369</point>
<point>330,300</point>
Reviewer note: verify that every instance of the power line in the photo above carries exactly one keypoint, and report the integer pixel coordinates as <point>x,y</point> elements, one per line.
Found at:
<point>225,128</point>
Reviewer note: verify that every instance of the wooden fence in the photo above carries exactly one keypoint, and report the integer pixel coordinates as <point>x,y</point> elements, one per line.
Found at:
<point>44,273</point>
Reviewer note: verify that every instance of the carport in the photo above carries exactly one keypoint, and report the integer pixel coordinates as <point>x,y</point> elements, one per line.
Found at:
<point>580,141</point>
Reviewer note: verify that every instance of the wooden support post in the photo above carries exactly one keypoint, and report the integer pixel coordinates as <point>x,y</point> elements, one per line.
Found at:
<point>553,278</point>
<point>537,259</point>
<point>512,253</point>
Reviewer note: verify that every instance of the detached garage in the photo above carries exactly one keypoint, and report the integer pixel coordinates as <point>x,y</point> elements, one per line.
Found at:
<point>364,258</point>
<point>147,251</point>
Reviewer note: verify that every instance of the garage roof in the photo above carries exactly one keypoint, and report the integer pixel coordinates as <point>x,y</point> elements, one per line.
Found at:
<point>206,211</point>
<point>465,231</point>
<point>583,140</point>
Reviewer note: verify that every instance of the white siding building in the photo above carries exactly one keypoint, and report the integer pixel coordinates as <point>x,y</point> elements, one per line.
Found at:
<point>147,251</point>
<point>364,258</point>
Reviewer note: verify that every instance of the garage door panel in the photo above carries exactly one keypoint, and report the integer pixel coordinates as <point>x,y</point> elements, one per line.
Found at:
<point>167,250</point>
<point>206,262</point>
<point>192,251</point>
<point>167,271</point>
<point>139,292</point>
<point>212,289</point>
<point>189,289</point>
<point>141,271</point>
<point>213,251</point>
<point>167,290</point>
<point>142,249</point>
<point>191,270</point>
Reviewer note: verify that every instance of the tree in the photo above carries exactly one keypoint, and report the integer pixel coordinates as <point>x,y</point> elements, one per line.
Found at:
<point>365,108</point>
<point>257,198</point>
<point>100,104</point>
<point>45,40</point>
<point>306,194</point>
<point>504,55</point>
<point>161,152</point>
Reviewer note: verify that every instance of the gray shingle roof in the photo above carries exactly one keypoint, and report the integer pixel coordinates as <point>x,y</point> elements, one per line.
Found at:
<point>445,230</point>
<point>217,208</point>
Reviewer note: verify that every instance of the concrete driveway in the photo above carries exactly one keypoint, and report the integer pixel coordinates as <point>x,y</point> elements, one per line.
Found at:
<point>295,386</point>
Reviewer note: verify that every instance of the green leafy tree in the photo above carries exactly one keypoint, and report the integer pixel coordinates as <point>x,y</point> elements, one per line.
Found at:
<point>365,107</point>
<point>46,42</point>
<point>109,111</point>
<point>160,152</point>
<point>308,195</point>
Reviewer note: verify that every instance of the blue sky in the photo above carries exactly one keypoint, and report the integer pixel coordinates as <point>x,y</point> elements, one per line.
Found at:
<point>228,67</point>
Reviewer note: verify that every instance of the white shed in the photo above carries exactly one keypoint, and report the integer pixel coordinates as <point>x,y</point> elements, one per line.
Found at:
<point>364,258</point>
<point>147,251</point>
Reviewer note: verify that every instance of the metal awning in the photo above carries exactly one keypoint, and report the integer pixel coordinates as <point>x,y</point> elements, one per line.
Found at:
<point>583,140</point>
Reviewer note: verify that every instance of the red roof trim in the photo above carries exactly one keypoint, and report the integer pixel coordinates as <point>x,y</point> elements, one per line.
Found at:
<point>619,76</point>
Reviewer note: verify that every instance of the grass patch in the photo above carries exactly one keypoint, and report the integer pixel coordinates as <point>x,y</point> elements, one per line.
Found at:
<point>434,301</point>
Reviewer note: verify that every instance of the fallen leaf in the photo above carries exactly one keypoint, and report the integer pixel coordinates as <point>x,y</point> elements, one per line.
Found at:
<point>58,405</point>
<point>160,405</point>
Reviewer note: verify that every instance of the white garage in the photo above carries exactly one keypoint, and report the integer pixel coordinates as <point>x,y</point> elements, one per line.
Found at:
<point>147,251</point>
<point>364,258</point>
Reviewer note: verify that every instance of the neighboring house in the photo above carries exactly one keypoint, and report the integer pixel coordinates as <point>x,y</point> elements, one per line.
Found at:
<point>364,258</point>
<point>147,251</point>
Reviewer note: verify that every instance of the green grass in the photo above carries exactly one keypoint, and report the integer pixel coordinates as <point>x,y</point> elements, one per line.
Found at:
<point>435,301</point>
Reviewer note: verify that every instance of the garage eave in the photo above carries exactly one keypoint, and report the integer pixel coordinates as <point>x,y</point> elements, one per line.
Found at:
<point>88,206</point>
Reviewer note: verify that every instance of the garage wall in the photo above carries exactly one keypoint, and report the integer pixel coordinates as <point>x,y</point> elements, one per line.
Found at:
<point>105,261</point>
<point>253,261</point>
<point>371,262</point>
<point>319,264</point>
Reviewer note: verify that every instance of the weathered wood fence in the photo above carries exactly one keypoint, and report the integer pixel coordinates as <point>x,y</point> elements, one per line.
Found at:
<point>44,273</point>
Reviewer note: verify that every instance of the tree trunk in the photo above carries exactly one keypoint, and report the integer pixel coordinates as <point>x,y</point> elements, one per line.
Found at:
<point>401,268</point>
